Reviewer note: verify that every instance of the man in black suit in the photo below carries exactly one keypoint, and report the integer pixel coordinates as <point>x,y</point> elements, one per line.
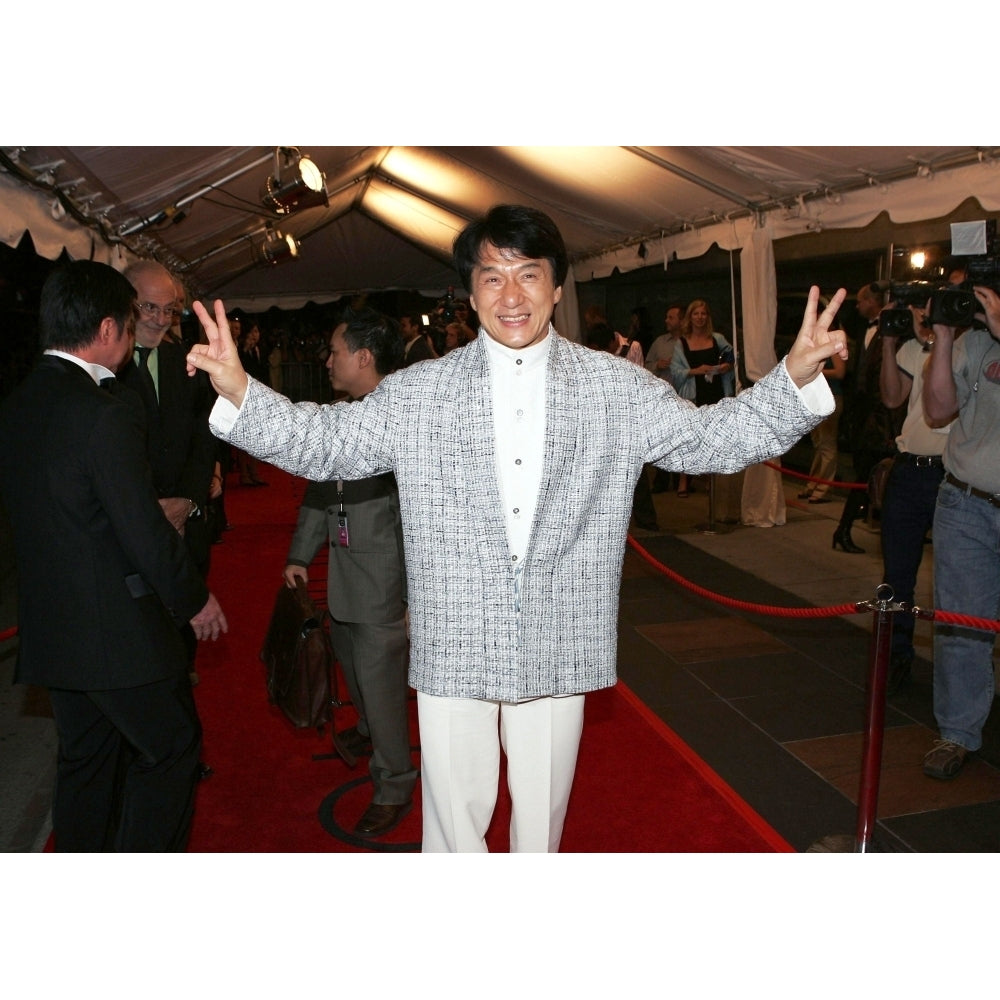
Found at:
<point>180,447</point>
<point>103,580</point>
<point>415,343</point>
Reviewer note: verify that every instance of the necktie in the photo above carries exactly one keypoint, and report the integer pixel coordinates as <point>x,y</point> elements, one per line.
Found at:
<point>145,378</point>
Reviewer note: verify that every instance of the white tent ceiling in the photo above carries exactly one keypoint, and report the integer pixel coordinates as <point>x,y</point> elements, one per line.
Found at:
<point>394,211</point>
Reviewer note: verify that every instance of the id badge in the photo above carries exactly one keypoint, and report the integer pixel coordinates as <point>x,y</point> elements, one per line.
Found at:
<point>343,539</point>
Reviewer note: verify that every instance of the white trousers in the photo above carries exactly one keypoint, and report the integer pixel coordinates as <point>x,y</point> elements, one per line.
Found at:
<point>460,742</point>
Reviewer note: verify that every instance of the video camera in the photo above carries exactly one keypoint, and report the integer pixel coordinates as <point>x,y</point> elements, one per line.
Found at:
<point>897,321</point>
<point>956,305</point>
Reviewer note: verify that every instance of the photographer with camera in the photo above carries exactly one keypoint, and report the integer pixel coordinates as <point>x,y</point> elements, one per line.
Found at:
<point>873,426</point>
<point>962,383</point>
<point>917,468</point>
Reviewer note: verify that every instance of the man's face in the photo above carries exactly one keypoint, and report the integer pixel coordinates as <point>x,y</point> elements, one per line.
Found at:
<point>513,296</point>
<point>343,366</point>
<point>408,329</point>
<point>120,348</point>
<point>155,295</point>
<point>868,304</point>
<point>673,320</point>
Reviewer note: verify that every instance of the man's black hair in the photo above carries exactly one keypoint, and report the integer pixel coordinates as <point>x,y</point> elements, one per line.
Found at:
<point>600,337</point>
<point>515,229</point>
<point>76,297</point>
<point>379,335</point>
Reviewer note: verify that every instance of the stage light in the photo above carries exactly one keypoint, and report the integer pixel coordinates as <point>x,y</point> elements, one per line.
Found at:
<point>303,184</point>
<point>274,247</point>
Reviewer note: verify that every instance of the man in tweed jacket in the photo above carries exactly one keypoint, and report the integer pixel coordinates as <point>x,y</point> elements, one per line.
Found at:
<point>516,459</point>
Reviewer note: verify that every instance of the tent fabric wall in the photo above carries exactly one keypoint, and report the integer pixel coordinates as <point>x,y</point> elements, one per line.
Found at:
<point>21,212</point>
<point>763,502</point>
<point>909,200</point>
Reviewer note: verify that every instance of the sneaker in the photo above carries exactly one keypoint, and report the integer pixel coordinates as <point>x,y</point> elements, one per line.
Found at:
<point>944,760</point>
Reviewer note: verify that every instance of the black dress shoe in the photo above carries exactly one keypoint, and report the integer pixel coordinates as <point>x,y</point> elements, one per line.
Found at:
<point>380,818</point>
<point>354,742</point>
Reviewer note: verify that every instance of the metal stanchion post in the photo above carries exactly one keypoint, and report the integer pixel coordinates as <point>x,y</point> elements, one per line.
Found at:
<point>871,758</point>
<point>883,609</point>
<point>712,528</point>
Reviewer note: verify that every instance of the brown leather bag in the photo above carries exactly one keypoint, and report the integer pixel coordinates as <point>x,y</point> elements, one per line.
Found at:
<point>299,659</point>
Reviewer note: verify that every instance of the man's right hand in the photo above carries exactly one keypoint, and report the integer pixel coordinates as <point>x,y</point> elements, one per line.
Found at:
<point>294,573</point>
<point>219,357</point>
<point>210,622</point>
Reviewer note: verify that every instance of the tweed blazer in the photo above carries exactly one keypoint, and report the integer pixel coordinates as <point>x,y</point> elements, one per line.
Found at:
<point>472,634</point>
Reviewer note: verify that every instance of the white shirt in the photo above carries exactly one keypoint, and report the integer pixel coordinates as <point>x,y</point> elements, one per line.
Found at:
<point>95,371</point>
<point>517,386</point>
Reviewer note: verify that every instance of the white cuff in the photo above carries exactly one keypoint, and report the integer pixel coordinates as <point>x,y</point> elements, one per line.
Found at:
<point>816,395</point>
<point>222,417</point>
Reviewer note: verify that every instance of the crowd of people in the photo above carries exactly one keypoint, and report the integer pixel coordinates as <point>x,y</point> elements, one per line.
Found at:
<point>155,420</point>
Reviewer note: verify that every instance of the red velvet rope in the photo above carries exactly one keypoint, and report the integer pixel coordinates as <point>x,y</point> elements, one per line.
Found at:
<point>815,479</point>
<point>760,609</point>
<point>831,611</point>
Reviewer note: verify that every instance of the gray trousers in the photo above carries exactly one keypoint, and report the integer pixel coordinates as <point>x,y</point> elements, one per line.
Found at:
<point>374,661</point>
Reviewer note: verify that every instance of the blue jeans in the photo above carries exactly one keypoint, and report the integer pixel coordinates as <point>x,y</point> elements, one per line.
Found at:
<point>907,515</point>
<point>966,581</point>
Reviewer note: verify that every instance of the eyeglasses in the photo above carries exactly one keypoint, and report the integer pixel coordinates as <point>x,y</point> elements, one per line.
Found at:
<point>151,310</point>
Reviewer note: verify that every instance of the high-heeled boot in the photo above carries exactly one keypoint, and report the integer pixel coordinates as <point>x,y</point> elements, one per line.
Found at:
<point>842,537</point>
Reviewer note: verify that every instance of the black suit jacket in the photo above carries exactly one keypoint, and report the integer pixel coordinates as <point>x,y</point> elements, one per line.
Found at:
<point>418,350</point>
<point>103,578</point>
<point>182,450</point>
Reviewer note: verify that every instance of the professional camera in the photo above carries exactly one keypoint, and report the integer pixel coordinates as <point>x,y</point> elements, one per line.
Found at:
<point>897,321</point>
<point>956,305</point>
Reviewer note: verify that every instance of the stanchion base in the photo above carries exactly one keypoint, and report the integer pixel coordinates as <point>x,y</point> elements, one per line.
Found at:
<point>841,843</point>
<point>837,843</point>
<point>714,529</point>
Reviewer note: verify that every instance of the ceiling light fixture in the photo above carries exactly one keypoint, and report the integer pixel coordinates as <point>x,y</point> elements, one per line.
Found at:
<point>303,184</point>
<point>274,247</point>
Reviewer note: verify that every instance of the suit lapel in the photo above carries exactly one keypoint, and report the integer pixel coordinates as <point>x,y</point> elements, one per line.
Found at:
<point>563,427</point>
<point>475,436</point>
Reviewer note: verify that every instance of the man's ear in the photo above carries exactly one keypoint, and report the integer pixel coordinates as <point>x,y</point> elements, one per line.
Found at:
<point>107,332</point>
<point>365,358</point>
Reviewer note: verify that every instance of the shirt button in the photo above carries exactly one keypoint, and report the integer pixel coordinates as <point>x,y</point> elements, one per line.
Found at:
<point>517,510</point>
<point>517,461</point>
<point>520,413</point>
<point>513,558</point>
<point>519,361</point>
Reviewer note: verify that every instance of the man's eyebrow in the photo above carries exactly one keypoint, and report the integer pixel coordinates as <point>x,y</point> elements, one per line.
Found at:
<point>516,265</point>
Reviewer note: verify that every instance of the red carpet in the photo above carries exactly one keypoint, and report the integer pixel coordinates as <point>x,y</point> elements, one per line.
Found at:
<point>638,787</point>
